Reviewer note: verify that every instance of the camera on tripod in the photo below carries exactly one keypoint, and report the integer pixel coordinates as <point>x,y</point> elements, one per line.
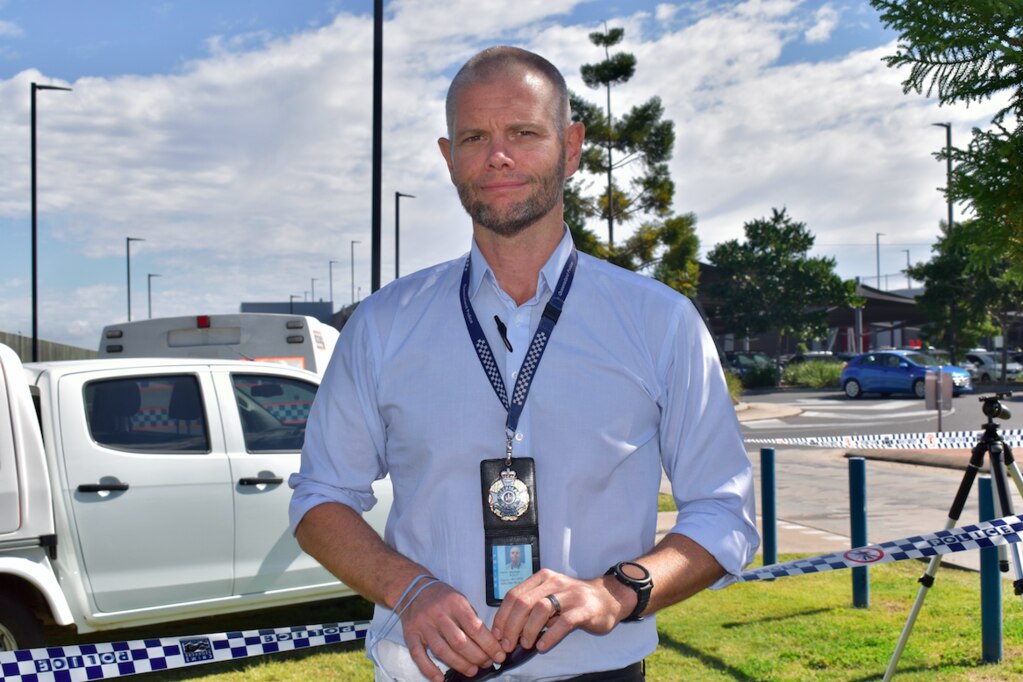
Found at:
<point>993,408</point>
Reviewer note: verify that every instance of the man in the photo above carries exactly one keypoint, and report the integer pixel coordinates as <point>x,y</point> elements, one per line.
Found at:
<point>568,463</point>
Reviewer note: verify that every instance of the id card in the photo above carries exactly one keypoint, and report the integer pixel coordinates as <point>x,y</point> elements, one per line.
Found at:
<point>510,524</point>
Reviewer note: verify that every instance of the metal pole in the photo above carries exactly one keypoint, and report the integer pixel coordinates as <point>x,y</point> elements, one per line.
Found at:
<point>909,284</point>
<point>330,270</point>
<point>291,303</point>
<point>149,292</point>
<point>877,241</point>
<point>768,515</point>
<point>858,528</point>
<point>948,167</point>
<point>127,256</point>
<point>378,78</point>
<point>354,242</point>
<point>312,289</point>
<point>35,225</point>
<point>990,583</point>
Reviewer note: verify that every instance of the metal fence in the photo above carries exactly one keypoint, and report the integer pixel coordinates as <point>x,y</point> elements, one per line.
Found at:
<point>48,350</point>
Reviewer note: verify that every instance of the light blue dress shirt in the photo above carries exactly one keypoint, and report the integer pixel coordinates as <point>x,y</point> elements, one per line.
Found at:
<point>630,382</point>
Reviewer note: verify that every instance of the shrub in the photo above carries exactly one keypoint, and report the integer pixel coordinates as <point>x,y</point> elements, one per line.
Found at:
<point>734,386</point>
<point>813,374</point>
<point>760,376</point>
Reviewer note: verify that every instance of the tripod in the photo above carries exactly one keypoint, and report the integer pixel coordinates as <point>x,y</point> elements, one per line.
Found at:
<point>1000,454</point>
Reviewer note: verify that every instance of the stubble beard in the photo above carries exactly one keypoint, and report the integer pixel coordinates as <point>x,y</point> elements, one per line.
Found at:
<point>518,216</point>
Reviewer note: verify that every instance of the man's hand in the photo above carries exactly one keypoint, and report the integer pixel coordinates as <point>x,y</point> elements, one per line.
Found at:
<point>442,621</point>
<point>595,606</point>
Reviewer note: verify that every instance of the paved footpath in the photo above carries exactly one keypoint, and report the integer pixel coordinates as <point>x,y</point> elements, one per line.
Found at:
<point>909,492</point>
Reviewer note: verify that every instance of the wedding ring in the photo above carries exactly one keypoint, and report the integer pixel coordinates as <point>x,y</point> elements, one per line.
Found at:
<point>555,603</point>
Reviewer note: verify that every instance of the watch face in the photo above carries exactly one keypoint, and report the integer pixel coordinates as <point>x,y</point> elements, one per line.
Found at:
<point>633,571</point>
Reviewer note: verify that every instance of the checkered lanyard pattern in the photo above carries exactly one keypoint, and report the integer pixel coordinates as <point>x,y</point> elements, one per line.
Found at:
<point>1003,531</point>
<point>537,346</point>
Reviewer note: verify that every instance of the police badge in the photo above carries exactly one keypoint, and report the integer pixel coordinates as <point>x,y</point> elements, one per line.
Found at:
<point>509,498</point>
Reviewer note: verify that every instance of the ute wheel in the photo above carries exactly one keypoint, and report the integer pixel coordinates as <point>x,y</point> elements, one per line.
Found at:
<point>852,389</point>
<point>19,627</point>
<point>985,377</point>
<point>918,388</point>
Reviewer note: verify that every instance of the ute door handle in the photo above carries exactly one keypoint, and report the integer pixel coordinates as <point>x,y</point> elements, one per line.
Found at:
<point>270,480</point>
<point>102,487</point>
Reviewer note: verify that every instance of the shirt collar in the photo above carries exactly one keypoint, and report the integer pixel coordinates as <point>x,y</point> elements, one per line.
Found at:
<point>549,273</point>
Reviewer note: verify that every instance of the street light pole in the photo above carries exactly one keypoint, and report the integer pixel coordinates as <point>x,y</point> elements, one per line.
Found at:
<point>330,271</point>
<point>35,229</point>
<point>397,223</point>
<point>877,239</point>
<point>149,292</point>
<point>291,303</point>
<point>127,255</point>
<point>354,242</point>
<point>948,168</point>
<point>909,284</point>
<point>312,290</point>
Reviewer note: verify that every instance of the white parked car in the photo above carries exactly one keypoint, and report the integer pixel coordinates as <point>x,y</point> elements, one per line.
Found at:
<point>989,366</point>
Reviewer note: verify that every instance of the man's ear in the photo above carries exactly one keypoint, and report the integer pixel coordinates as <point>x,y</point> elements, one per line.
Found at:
<point>445,150</point>
<point>575,133</point>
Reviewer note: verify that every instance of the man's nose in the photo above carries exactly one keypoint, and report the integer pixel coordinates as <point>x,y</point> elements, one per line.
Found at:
<point>499,155</point>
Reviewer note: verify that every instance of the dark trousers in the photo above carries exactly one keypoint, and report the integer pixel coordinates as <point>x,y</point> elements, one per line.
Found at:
<point>630,673</point>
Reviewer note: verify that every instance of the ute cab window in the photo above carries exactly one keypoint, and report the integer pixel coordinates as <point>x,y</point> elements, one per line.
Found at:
<point>273,411</point>
<point>147,413</point>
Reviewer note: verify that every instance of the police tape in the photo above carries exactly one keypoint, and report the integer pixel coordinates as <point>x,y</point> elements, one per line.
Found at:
<point>1003,531</point>
<point>119,659</point>
<point>947,440</point>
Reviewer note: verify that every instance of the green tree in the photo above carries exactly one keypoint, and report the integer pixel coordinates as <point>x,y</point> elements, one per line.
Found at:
<point>949,299</point>
<point>642,140</point>
<point>769,282</point>
<point>967,51</point>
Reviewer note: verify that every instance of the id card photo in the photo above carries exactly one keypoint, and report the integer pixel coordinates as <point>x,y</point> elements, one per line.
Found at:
<point>511,565</point>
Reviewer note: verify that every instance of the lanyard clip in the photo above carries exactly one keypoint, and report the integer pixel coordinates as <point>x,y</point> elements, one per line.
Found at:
<point>509,436</point>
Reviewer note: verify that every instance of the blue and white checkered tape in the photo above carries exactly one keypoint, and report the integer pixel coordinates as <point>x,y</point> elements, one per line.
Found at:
<point>1003,531</point>
<point>118,659</point>
<point>895,441</point>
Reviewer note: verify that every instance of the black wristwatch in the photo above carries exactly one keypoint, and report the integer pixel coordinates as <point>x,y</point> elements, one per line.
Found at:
<point>632,575</point>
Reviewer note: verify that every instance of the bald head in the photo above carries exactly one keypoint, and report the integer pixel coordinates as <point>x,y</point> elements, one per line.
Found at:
<point>504,62</point>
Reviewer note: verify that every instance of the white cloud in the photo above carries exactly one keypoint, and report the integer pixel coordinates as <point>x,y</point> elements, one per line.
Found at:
<point>826,20</point>
<point>9,29</point>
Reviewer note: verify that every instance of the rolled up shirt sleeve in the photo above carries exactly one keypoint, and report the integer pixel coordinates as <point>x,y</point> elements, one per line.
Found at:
<point>702,449</point>
<point>344,420</point>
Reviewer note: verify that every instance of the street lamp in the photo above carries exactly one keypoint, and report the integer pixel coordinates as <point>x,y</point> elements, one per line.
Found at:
<point>330,271</point>
<point>877,239</point>
<point>354,242</point>
<point>127,254</point>
<point>291,303</point>
<point>397,223</point>
<point>909,284</point>
<point>35,251</point>
<point>312,289</point>
<point>948,168</point>
<point>149,292</point>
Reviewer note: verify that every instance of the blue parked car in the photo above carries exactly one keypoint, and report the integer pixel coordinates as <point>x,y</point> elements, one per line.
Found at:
<point>897,371</point>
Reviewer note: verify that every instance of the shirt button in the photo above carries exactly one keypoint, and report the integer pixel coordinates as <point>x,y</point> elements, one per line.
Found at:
<point>519,436</point>
<point>520,319</point>
<point>515,374</point>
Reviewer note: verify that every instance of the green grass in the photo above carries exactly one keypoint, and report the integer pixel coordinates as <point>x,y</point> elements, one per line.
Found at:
<point>798,628</point>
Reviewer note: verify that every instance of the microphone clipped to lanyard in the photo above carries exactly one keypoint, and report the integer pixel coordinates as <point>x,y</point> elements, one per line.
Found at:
<point>503,331</point>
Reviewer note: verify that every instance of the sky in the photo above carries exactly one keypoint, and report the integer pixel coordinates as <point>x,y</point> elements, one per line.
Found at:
<point>234,138</point>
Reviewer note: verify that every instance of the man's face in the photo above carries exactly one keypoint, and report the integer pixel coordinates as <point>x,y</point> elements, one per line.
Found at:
<point>505,156</point>
<point>515,555</point>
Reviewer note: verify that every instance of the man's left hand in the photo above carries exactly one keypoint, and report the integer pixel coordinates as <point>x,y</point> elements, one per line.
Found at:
<point>595,606</point>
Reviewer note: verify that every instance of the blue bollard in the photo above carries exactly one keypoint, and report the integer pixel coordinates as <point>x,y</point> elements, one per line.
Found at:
<point>768,514</point>
<point>858,528</point>
<point>990,583</point>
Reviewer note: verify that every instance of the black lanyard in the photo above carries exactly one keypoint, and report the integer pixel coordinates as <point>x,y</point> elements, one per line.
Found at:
<point>537,346</point>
